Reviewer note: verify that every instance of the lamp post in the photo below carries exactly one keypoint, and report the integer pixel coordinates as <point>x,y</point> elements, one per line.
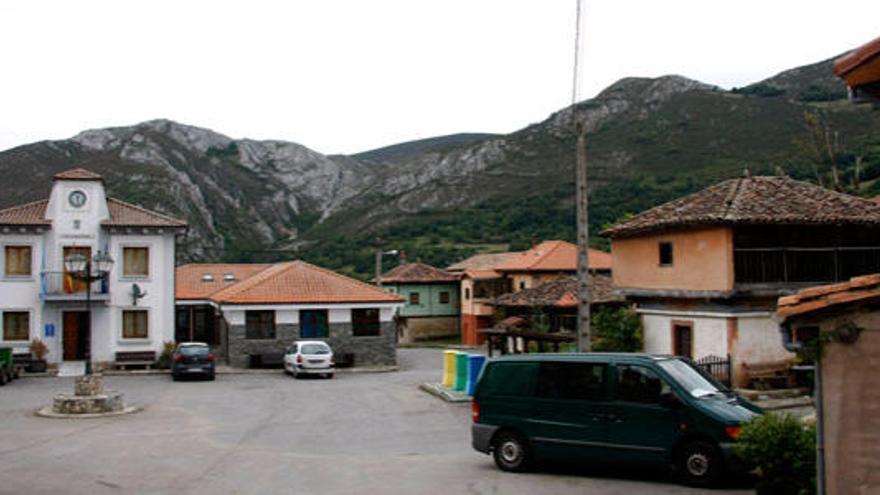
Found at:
<point>88,270</point>
<point>379,254</point>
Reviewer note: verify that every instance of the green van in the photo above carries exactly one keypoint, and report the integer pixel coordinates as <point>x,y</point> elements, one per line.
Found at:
<point>604,406</point>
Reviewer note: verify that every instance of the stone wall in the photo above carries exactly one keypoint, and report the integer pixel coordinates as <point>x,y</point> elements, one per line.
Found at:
<point>368,351</point>
<point>427,328</point>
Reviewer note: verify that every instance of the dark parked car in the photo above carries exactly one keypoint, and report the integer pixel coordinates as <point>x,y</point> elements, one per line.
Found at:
<point>192,359</point>
<point>627,408</point>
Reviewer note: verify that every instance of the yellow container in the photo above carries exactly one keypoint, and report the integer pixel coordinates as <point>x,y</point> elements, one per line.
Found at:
<point>449,368</point>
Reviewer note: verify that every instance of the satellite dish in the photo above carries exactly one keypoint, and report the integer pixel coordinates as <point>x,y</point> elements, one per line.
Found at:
<point>137,293</point>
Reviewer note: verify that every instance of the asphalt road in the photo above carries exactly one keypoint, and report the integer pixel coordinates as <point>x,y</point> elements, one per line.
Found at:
<point>257,433</point>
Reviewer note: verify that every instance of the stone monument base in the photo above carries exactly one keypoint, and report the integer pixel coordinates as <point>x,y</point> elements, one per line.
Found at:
<point>89,400</point>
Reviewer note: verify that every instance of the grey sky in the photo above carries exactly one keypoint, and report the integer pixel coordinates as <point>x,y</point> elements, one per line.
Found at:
<point>342,76</point>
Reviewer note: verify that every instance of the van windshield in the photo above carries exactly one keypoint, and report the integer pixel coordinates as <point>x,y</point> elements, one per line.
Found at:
<point>696,383</point>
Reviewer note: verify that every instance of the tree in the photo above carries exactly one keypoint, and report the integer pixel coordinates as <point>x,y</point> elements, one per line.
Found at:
<point>617,330</point>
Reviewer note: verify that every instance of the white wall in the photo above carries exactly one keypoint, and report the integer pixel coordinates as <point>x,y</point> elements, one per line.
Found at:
<point>288,314</point>
<point>21,293</point>
<point>709,333</point>
<point>760,341</point>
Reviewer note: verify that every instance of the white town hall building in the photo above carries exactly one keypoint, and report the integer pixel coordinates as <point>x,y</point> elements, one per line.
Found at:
<point>39,299</point>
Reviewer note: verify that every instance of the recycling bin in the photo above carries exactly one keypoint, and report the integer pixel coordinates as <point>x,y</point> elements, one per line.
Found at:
<point>475,365</point>
<point>448,369</point>
<point>461,371</point>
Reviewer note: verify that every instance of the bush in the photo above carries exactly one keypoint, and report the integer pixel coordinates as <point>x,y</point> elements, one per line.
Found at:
<point>617,330</point>
<point>784,451</point>
<point>165,357</point>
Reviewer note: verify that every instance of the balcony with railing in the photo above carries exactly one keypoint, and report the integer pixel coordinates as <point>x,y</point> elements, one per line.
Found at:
<point>61,286</point>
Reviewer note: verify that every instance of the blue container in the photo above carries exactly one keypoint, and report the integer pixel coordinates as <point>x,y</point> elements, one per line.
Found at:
<point>475,365</point>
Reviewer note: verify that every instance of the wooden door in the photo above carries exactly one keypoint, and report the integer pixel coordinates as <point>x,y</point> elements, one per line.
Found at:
<point>682,338</point>
<point>72,285</point>
<point>73,335</point>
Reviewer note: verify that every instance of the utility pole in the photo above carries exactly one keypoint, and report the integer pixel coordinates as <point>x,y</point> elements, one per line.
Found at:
<point>379,267</point>
<point>583,238</point>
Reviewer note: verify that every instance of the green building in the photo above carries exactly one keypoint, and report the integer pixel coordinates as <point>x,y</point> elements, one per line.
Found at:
<point>432,307</point>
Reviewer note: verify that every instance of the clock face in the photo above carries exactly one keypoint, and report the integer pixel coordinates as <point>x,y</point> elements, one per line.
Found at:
<point>77,199</point>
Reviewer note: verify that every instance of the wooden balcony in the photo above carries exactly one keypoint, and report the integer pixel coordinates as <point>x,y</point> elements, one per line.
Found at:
<point>794,267</point>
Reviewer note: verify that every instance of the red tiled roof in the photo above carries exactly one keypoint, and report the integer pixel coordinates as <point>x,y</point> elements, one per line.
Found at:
<point>27,214</point>
<point>300,282</point>
<point>413,273</point>
<point>191,283</point>
<point>826,296</point>
<point>562,293</point>
<point>480,262</point>
<point>553,256</point>
<point>753,200</point>
<point>124,214</point>
<point>481,274</point>
<point>77,174</point>
<point>857,57</point>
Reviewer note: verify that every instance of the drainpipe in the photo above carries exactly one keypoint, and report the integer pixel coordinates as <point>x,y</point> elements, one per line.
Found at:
<point>792,346</point>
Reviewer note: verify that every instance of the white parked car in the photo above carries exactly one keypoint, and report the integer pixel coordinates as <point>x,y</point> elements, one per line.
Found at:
<point>311,357</point>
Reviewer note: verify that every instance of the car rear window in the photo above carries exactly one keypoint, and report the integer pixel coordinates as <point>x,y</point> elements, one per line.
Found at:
<point>315,349</point>
<point>194,350</point>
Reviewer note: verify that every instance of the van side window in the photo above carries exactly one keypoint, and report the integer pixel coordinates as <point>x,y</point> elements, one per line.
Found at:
<point>571,381</point>
<point>639,384</point>
<point>509,379</point>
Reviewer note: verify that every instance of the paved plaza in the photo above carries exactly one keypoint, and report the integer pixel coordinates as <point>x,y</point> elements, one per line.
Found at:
<point>267,433</point>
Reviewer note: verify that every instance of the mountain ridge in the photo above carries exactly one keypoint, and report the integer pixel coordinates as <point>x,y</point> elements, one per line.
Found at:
<point>648,139</point>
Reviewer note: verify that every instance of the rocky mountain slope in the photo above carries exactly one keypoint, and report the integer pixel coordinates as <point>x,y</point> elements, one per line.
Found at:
<point>648,140</point>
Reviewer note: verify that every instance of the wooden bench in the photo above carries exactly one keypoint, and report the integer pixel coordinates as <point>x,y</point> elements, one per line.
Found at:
<point>124,359</point>
<point>763,376</point>
<point>267,360</point>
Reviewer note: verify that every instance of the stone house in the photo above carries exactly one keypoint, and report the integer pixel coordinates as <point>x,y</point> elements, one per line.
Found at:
<point>432,306</point>
<point>262,309</point>
<point>705,270</point>
<point>41,299</point>
<point>848,316</point>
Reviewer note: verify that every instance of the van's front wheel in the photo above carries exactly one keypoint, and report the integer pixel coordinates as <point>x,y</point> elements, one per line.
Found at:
<point>699,463</point>
<point>511,452</point>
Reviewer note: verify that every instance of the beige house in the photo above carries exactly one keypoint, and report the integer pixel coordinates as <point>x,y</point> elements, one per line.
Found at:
<point>705,270</point>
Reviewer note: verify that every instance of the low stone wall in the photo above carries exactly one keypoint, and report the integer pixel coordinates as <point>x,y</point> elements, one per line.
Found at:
<point>415,329</point>
<point>368,351</point>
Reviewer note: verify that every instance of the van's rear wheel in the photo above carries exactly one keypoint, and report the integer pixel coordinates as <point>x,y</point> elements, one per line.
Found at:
<point>511,452</point>
<point>699,463</point>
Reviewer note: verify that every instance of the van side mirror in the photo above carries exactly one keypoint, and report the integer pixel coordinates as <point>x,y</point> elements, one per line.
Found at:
<point>670,401</point>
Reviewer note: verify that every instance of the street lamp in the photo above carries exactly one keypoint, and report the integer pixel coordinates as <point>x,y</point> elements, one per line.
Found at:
<point>379,255</point>
<point>88,270</point>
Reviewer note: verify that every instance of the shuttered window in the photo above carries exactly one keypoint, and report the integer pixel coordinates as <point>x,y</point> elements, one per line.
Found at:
<point>16,325</point>
<point>18,261</point>
<point>135,262</point>
<point>365,322</point>
<point>135,324</point>
<point>259,325</point>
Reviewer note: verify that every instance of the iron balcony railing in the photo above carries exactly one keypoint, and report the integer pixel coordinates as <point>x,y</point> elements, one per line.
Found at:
<point>803,265</point>
<point>64,284</point>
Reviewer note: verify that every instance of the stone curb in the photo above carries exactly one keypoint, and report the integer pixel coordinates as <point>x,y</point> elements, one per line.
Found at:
<point>438,390</point>
<point>46,412</point>
<point>225,371</point>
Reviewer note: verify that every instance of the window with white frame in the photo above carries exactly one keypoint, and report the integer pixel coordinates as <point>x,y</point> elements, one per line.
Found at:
<point>16,326</point>
<point>135,324</point>
<point>17,261</point>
